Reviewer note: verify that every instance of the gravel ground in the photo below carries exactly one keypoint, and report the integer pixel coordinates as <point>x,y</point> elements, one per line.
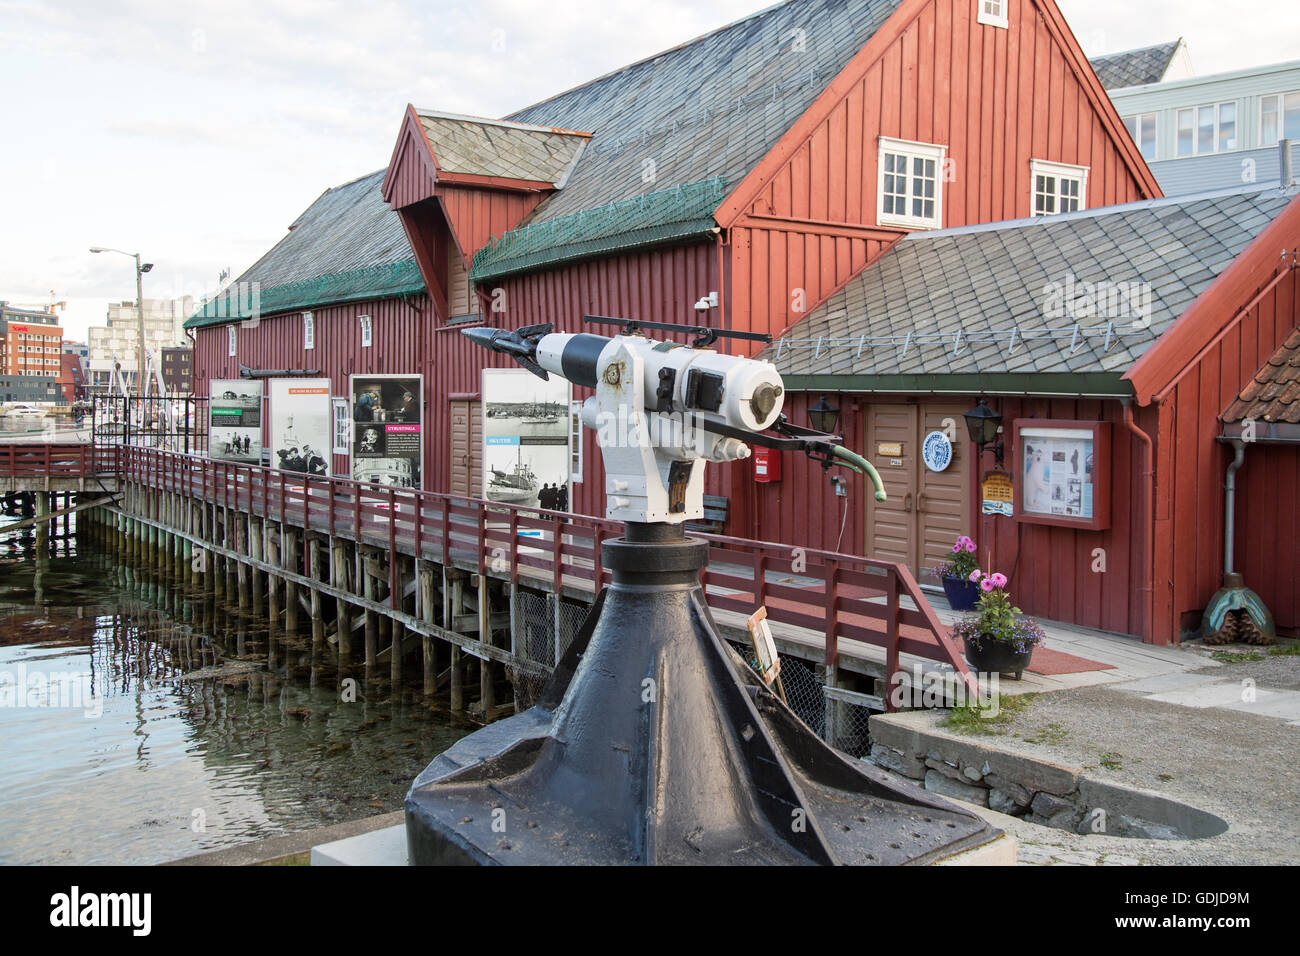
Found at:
<point>1243,767</point>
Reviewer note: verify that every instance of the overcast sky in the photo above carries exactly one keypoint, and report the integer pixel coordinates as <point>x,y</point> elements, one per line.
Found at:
<point>195,131</point>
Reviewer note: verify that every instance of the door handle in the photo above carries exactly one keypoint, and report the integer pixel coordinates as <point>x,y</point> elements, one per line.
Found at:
<point>920,503</point>
<point>907,502</point>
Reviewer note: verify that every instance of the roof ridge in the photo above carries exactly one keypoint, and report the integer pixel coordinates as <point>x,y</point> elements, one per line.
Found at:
<point>1136,49</point>
<point>507,123</point>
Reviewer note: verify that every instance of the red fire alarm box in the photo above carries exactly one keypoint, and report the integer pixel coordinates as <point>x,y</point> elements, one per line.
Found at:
<point>767,464</point>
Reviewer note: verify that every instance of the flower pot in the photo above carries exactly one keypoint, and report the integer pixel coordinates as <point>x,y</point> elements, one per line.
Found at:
<point>962,594</point>
<point>988,656</point>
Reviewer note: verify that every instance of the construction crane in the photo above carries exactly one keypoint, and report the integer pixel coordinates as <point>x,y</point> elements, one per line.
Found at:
<point>43,306</point>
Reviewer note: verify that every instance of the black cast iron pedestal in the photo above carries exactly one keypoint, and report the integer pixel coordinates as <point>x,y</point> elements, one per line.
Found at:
<point>655,744</point>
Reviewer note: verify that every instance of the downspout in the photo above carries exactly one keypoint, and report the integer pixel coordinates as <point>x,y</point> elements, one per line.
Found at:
<point>1230,506</point>
<point>1148,497</point>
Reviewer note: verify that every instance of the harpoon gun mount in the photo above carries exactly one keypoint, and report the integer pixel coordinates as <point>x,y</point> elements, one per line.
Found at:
<point>654,742</point>
<point>662,409</point>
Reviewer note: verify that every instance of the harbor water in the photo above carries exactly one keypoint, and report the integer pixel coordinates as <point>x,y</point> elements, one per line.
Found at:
<point>143,721</point>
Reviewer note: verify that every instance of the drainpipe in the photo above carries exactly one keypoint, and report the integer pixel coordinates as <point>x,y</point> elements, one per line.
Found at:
<point>1148,496</point>
<point>1230,505</point>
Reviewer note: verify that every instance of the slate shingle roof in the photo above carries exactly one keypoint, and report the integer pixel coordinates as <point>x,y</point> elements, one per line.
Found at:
<point>348,227</point>
<point>1134,67</point>
<point>1130,270</point>
<point>1273,395</point>
<point>466,144</point>
<point>711,107</point>
<point>348,232</point>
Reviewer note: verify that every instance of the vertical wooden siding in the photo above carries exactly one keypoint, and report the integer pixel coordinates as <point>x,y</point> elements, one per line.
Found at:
<point>475,215</point>
<point>995,98</point>
<point>1051,568</point>
<point>1193,466</point>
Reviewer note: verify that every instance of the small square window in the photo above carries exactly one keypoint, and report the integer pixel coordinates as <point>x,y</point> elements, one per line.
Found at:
<point>911,184</point>
<point>992,13</point>
<point>366,331</point>
<point>1057,187</point>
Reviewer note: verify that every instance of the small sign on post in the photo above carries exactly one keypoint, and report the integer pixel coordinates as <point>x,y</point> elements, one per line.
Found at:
<point>997,494</point>
<point>769,662</point>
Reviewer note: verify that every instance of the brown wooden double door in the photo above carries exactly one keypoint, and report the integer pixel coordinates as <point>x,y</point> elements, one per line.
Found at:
<point>466,448</point>
<point>926,510</point>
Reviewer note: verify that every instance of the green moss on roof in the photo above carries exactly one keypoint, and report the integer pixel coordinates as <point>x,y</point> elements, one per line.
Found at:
<point>244,300</point>
<point>668,215</point>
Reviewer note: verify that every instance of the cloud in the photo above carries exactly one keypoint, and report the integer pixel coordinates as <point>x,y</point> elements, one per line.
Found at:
<point>197,131</point>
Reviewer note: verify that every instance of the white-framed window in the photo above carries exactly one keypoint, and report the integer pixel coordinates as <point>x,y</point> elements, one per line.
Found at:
<point>910,187</point>
<point>992,13</point>
<point>1142,127</point>
<point>233,340</point>
<point>1057,187</point>
<point>1207,129</point>
<point>367,332</point>
<point>575,441</point>
<point>1279,117</point>
<point>308,330</point>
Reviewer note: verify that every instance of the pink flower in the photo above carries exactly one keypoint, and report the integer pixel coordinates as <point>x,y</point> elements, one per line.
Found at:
<point>956,548</point>
<point>999,579</point>
<point>975,576</point>
<point>987,584</point>
<point>970,546</point>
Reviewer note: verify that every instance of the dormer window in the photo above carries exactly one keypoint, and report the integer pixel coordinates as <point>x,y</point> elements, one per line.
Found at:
<point>910,185</point>
<point>1057,187</point>
<point>992,13</point>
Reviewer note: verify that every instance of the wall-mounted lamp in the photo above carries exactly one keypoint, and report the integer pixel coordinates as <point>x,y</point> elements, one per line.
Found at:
<point>983,423</point>
<point>823,416</point>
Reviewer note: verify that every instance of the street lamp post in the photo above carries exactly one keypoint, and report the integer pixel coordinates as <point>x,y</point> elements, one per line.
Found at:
<point>140,270</point>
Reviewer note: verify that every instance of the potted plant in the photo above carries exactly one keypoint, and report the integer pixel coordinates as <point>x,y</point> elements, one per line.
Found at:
<point>959,575</point>
<point>999,639</point>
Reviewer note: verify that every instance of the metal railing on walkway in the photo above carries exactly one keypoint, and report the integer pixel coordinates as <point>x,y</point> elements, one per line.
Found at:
<point>835,597</point>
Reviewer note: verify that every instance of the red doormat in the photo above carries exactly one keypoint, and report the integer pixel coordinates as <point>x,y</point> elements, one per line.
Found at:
<point>1049,662</point>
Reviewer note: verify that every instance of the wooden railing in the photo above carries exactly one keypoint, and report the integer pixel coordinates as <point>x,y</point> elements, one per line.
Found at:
<point>56,460</point>
<point>836,597</point>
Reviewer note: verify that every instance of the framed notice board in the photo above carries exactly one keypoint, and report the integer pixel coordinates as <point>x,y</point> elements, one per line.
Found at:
<point>1061,470</point>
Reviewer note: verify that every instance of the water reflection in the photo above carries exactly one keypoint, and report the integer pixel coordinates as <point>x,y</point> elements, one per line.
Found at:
<point>142,720</point>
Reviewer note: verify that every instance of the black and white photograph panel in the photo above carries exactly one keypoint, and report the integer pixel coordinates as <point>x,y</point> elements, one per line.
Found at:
<point>534,476</point>
<point>301,420</point>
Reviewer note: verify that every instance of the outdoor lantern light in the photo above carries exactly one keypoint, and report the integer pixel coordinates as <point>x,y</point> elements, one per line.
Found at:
<point>983,423</point>
<point>824,416</point>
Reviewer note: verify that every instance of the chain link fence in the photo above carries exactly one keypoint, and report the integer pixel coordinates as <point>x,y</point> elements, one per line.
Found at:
<point>543,627</point>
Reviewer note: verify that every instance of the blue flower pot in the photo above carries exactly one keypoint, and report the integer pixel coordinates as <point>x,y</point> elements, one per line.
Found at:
<point>962,594</point>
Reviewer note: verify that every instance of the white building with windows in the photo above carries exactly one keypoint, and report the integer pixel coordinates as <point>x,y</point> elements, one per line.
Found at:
<point>1215,132</point>
<point>118,340</point>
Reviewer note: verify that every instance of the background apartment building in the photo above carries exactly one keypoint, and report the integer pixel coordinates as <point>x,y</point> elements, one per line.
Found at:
<point>30,354</point>
<point>118,340</point>
<point>1214,132</point>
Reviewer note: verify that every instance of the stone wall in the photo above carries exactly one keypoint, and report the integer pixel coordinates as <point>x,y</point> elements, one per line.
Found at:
<point>1042,792</point>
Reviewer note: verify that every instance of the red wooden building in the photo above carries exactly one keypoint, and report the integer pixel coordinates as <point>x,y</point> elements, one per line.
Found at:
<point>777,162</point>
